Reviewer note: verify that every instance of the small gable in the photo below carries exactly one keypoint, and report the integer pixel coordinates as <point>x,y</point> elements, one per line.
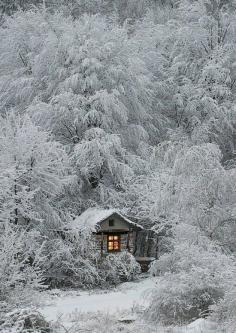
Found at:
<point>116,222</point>
<point>99,220</point>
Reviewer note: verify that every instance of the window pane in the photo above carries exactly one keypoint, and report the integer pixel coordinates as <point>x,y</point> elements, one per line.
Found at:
<point>116,245</point>
<point>110,237</point>
<point>110,245</point>
<point>116,237</point>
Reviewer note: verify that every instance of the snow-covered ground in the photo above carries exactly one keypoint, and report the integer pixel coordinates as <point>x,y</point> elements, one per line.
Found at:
<point>124,297</point>
<point>121,301</point>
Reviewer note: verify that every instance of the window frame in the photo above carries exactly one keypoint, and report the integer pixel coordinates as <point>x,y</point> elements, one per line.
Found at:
<point>111,222</point>
<point>113,241</point>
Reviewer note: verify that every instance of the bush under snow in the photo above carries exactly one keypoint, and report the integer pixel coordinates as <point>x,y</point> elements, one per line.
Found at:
<point>120,267</point>
<point>224,313</point>
<point>20,275</point>
<point>192,278</point>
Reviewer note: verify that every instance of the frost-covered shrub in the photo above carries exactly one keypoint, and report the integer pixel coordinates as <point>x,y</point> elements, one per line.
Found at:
<point>185,256</point>
<point>182,297</point>
<point>191,279</point>
<point>20,276</point>
<point>120,267</point>
<point>24,320</point>
<point>71,261</point>
<point>225,311</point>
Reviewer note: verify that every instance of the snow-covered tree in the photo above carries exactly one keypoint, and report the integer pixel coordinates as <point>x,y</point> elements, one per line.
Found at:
<point>101,158</point>
<point>73,76</point>
<point>190,49</point>
<point>33,170</point>
<point>187,185</point>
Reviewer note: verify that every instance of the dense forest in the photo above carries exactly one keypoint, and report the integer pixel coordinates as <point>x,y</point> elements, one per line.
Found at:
<point>126,104</point>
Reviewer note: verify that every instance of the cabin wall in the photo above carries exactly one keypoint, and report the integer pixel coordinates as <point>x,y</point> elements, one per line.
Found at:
<point>123,242</point>
<point>141,243</point>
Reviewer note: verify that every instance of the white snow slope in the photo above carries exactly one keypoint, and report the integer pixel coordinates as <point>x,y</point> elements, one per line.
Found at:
<point>126,296</point>
<point>122,299</point>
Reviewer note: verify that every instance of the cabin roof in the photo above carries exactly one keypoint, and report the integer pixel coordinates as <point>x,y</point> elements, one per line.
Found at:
<point>92,217</point>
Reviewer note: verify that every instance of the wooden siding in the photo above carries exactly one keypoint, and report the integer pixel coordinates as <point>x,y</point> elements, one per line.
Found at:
<point>119,224</point>
<point>123,241</point>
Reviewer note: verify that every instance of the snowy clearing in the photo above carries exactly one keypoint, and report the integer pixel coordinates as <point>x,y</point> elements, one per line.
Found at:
<point>117,304</point>
<point>124,297</point>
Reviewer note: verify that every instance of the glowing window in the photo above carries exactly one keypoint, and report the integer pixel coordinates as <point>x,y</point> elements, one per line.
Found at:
<point>113,243</point>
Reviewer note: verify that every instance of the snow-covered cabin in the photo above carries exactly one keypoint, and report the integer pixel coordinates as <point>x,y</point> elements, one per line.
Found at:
<point>113,231</point>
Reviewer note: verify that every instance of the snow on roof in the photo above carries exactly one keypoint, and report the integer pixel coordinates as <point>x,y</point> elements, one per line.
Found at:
<point>93,216</point>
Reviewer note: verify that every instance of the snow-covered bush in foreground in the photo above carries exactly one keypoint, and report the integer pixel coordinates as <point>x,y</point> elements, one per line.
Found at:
<point>71,261</point>
<point>120,267</point>
<point>25,320</point>
<point>179,298</point>
<point>20,276</point>
<point>225,311</point>
<point>192,278</point>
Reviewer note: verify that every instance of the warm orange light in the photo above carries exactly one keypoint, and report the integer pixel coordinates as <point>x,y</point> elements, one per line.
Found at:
<point>113,242</point>
<point>116,246</point>
<point>110,246</point>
